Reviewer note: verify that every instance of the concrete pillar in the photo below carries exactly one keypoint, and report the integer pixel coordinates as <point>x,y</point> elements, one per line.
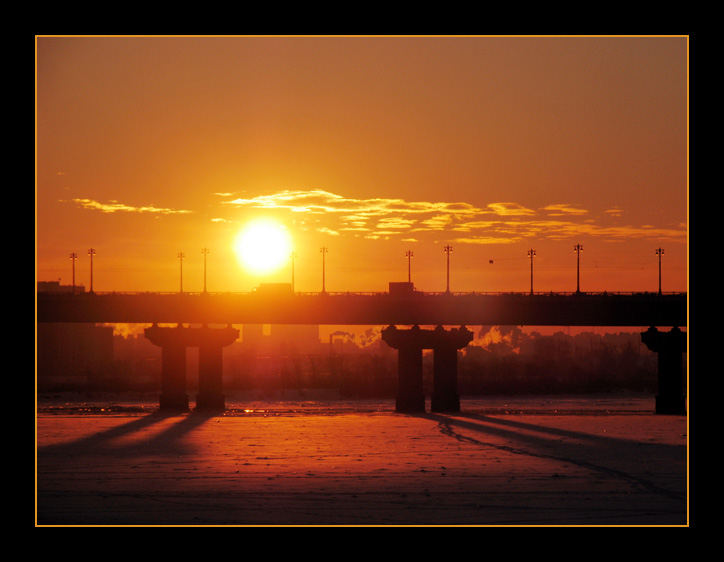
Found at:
<point>173,366</point>
<point>173,342</point>
<point>670,347</point>
<point>211,393</point>
<point>409,345</point>
<point>173,377</point>
<point>445,397</point>
<point>210,342</point>
<point>410,396</point>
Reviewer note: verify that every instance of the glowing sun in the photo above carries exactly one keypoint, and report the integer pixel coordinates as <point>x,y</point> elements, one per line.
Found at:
<point>262,247</point>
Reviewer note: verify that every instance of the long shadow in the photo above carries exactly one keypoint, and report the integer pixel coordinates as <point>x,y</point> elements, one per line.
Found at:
<point>167,441</point>
<point>593,452</point>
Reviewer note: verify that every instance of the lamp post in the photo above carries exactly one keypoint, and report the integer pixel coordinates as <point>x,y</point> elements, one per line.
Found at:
<point>181,257</point>
<point>531,255</point>
<point>448,251</point>
<point>205,251</point>
<point>578,249</point>
<point>659,252</point>
<point>73,257</point>
<point>91,253</point>
<point>323,251</point>
<point>408,255</point>
<point>293,255</point>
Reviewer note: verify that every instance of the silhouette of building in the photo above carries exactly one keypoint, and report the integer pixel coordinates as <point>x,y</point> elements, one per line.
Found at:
<point>71,355</point>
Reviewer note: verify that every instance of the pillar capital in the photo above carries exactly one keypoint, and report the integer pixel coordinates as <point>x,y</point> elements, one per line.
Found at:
<point>672,341</point>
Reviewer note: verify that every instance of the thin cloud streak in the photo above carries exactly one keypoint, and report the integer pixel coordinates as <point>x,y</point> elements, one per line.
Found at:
<point>115,207</point>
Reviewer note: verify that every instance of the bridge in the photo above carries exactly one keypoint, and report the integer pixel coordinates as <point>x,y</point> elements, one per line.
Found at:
<point>405,307</point>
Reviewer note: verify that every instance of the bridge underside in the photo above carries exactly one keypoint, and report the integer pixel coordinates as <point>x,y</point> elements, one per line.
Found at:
<point>380,309</point>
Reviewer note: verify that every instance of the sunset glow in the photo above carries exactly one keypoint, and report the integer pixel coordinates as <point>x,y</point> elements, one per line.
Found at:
<point>262,247</point>
<point>370,147</point>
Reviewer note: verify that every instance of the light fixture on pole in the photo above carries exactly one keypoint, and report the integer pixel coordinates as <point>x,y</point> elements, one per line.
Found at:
<point>408,255</point>
<point>578,249</point>
<point>531,255</point>
<point>91,253</point>
<point>448,251</point>
<point>659,252</point>
<point>73,257</point>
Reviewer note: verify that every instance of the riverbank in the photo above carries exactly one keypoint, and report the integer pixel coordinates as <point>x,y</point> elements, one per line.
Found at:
<point>575,462</point>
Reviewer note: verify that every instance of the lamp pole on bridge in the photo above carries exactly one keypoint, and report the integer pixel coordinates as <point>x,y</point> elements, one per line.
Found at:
<point>293,255</point>
<point>531,255</point>
<point>205,251</point>
<point>91,253</point>
<point>73,257</point>
<point>181,257</point>
<point>448,251</point>
<point>578,249</point>
<point>408,255</point>
<point>323,251</point>
<point>659,252</point>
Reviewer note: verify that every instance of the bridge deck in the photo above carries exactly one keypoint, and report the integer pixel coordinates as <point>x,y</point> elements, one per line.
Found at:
<point>521,309</point>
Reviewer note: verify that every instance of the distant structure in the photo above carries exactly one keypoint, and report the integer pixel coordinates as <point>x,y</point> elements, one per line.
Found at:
<point>56,287</point>
<point>402,289</point>
<point>71,355</point>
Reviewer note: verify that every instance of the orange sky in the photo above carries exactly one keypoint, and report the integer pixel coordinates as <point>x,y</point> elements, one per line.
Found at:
<point>151,146</point>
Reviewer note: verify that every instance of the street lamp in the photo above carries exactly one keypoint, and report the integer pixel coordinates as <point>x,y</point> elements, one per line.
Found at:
<point>408,255</point>
<point>181,257</point>
<point>73,257</point>
<point>91,253</point>
<point>659,252</point>
<point>448,251</point>
<point>323,251</point>
<point>578,249</point>
<point>205,251</point>
<point>531,255</point>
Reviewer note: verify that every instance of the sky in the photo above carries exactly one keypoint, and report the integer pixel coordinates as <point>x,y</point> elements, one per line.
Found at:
<point>148,148</point>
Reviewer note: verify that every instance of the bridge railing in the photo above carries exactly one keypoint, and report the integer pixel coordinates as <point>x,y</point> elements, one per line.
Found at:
<point>69,294</point>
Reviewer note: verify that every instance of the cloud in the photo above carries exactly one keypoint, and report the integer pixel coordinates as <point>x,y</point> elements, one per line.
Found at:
<point>562,209</point>
<point>115,207</point>
<point>495,223</point>
<point>508,209</point>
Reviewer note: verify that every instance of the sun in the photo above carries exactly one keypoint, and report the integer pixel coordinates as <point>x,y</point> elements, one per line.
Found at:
<point>262,246</point>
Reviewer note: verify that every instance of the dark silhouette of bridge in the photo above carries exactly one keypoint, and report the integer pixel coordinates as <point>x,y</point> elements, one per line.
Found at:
<point>278,305</point>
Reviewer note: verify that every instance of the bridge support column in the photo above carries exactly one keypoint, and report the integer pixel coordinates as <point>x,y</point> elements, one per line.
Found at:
<point>445,397</point>
<point>410,396</point>
<point>173,378</point>
<point>408,343</point>
<point>211,341</point>
<point>173,342</point>
<point>173,366</point>
<point>670,347</point>
<point>211,392</point>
